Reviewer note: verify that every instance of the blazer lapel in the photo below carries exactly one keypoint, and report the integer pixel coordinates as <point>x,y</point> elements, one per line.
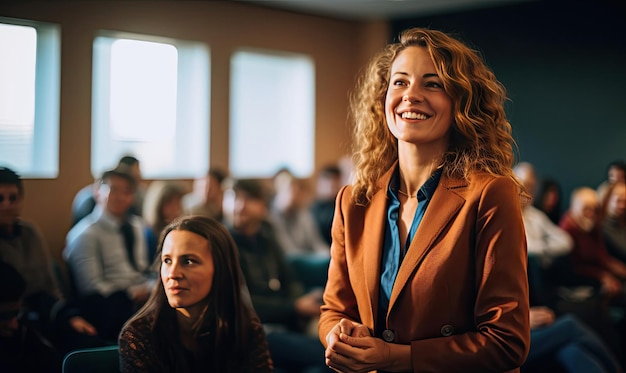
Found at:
<point>374,222</point>
<point>444,205</point>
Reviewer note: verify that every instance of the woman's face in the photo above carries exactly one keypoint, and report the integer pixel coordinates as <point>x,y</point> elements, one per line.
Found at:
<point>187,269</point>
<point>418,109</point>
<point>550,199</point>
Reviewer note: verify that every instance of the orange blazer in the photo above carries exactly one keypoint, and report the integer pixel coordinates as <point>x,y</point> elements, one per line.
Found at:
<point>460,298</point>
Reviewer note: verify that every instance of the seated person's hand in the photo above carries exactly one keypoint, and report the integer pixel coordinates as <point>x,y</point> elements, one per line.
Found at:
<point>610,285</point>
<point>617,268</point>
<point>541,316</point>
<point>139,293</point>
<point>82,326</point>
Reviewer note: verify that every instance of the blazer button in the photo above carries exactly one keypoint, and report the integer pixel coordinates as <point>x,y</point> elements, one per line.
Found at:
<point>447,330</point>
<point>388,335</point>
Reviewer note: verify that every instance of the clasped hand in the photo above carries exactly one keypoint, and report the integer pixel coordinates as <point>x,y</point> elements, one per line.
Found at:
<point>352,348</point>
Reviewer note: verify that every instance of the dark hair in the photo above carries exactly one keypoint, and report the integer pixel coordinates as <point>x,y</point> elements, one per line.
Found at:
<point>128,160</point>
<point>122,171</point>
<point>616,164</point>
<point>330,171</point>
<point>253,188</point>
<point>546,185</point>
<point>225,328</point>
<point>12,284</point>
<point>219,174</point>
<point>8,176</point>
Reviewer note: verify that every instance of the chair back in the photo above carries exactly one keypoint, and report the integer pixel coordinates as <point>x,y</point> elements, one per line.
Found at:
<point>94,360</point>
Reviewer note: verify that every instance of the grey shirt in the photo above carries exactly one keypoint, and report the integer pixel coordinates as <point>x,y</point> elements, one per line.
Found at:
<point>96,255</point>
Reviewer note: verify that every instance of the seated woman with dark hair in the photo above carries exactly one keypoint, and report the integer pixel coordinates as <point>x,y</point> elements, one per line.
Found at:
<point>199,316</point>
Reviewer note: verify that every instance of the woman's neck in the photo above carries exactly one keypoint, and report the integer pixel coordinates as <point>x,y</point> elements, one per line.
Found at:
<point>418,162</point>
<point>414,171</point>
<point>189,320</point>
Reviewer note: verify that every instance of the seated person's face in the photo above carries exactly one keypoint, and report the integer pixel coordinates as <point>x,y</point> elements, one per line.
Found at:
<point>172,209</point>
<point>617,201</point>
<point>551,199</point>
<point>616,175</point>
<point>585,210</point>
<point>116,195</point>
<point>10,204</point>
<point>247,211</point>
<point>9,314</point>
<point>187,270</point>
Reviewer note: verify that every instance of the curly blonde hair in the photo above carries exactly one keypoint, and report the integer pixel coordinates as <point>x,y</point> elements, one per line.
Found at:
<point>480,137</point>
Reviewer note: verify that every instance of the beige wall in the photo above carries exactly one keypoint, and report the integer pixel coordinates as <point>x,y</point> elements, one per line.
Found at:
<point>339,49</point>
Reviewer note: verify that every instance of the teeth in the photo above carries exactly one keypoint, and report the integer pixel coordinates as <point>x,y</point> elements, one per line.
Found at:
<point>412,115</point>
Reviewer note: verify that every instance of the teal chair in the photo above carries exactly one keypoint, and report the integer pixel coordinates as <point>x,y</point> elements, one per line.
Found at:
<point>93,360</point>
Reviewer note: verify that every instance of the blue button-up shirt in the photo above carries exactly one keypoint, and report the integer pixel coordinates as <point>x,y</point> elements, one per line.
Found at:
<point>392,253</point>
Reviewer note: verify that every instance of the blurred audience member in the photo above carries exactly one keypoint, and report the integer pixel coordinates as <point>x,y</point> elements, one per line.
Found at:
<point>323,206</point>
<point>615,172</point>
<point>279,299</point>
<point>295,225</point>
<point>547,198</point>
<point>566,341</point>
<point>133,165</point>
<point>22,347</point>
<point>207,195</point>
<point>107,256</point>
<point>614,223</point>
<point>23,247</point>
<point>590,258</point>
<point>544,239</point>
<point>162,204</point>
<point>85,200</point>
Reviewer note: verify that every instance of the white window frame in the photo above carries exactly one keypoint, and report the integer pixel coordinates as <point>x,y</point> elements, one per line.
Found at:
<point>45,142</point>
<point>191,156</point>
<point>272,119</point>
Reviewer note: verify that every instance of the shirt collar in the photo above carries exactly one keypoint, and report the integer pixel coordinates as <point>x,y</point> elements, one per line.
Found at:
<point>426,190</point>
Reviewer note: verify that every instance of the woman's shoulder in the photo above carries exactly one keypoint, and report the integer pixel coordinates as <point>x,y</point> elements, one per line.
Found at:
<point>135,347</point>
<point>139,328</point>
<point>487,181</point>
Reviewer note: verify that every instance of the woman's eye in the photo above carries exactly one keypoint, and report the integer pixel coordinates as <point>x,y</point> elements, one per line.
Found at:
<point>167,260</point>
<point>398,82</point>
<point>434,85</point>
<point>189,261</point>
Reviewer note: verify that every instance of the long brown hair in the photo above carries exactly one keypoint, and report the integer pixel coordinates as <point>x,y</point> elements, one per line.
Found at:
<point>224,332</point>
<point>481,137</point>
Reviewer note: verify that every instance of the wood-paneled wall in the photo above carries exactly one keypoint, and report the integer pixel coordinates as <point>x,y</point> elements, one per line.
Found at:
<point>339,49</point>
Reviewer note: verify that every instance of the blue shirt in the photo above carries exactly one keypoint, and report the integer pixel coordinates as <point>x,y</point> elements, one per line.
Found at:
<point>392,253</point>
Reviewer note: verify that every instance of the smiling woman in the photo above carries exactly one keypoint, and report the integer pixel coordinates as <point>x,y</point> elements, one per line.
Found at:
<point>199,316</point>
<point>428,259</point>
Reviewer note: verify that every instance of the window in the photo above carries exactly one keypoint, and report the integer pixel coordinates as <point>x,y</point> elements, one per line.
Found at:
<point>29,97</point>
<point>272,113</point>
<point>150,100</point>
